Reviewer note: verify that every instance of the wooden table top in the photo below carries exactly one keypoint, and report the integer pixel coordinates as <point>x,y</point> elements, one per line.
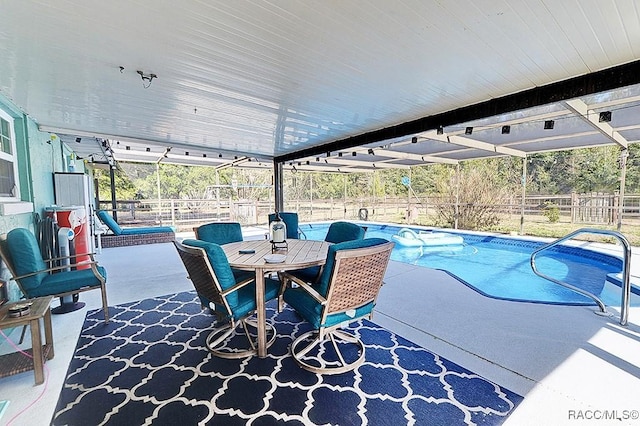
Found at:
<point>39,307</point>
<point>300,254</point>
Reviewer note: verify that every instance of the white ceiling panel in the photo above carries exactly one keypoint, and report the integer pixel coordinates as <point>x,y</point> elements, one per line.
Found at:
<point>267,79</point>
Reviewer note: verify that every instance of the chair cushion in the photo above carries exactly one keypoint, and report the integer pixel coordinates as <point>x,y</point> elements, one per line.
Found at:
<point>65,281</point>
<point>26,256</point>
<point>344,231</point>
<point>110,222</point>
<point>247,297</point>
<point>220,265</point>
<point>323,281</point>
<point>146,230</point>
<point>338,232</point>
<point>308,275</point>
<point>311,310</point>
<point>220,233</point>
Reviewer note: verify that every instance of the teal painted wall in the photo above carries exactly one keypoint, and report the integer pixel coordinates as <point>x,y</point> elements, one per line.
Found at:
<point>39,155</point>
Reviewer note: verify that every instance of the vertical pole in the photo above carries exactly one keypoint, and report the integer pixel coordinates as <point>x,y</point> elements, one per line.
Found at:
<point>311,196</point>
<point>344,199</point>
<point>278,186</point>
<point>524,193</point>
<point>624,153</point>
<point>218,195</point>
<point>114,206</point>
<point>373,192</point>
<point>457,207</point>
<point>409,199</point>
<point>158,188</point>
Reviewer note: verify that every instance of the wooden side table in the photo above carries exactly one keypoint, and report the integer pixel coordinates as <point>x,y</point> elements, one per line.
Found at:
<point>17,362</point>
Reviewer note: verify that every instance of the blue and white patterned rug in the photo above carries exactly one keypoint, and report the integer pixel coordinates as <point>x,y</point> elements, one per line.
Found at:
<point>150,365</point>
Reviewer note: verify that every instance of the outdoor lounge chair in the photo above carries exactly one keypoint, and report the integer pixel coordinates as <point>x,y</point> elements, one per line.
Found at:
<point>133,236</point>
<point>20,252</point>
<point>232,300</point>
<point>347,291</point>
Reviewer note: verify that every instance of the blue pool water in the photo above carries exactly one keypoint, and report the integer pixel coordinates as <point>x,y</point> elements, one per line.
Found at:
<point>500,267</point>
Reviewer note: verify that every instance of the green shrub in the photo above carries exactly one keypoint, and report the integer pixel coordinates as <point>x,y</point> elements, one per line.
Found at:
<point>551,211</point>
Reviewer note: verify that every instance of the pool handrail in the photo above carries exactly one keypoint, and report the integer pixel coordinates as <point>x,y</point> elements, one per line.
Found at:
<point>626,267</point>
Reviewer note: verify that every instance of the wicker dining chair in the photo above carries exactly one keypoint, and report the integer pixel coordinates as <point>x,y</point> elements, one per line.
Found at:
<point>232,300</point>
<point>347,291</point>
<point>338,232</point>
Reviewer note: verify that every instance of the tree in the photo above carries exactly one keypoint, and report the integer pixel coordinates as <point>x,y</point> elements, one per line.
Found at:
<point>479,189</point>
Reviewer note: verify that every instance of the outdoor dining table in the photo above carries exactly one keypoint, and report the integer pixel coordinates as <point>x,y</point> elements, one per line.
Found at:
<point>300,254</point>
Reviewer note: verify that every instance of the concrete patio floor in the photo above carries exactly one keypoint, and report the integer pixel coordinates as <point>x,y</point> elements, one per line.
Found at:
<point>572,367</point>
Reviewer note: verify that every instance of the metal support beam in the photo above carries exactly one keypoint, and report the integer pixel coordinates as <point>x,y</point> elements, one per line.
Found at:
<point>624,153</point>
<point>356,163</point>
<point>278,185</point>
<point>599,81</point>
<point>524,193</point>
<point>581,109</point>
<point>398,155</point>
<point>114,206</point>
<point>473,143</point>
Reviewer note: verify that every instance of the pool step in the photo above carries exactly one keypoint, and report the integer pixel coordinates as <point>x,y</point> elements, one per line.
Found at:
<point>612,289</point>
<point>616,279</point>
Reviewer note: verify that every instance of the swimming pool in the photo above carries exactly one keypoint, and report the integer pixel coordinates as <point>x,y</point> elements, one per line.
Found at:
<point>500,267</point>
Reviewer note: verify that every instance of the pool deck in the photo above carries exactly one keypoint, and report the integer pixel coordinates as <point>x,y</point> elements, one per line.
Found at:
<point>567,362</point>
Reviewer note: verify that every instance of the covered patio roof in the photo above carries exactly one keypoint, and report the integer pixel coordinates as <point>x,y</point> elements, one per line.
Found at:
<point>249,83</point>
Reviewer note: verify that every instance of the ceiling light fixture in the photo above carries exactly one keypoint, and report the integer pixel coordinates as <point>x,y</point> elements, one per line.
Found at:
<point>506,130</point>
<point>468,130</point>
<point>370,151</point>
<point>440,130</point>
<point>548,124</point>
<point>414,140</point>
<point>605,117</point>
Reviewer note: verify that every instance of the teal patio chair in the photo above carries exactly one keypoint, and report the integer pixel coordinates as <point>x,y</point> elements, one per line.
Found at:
<point>347,291</point>
<point>223,233</point>
<point>338,232</point>
<point>20,252</point>
<point>290,219</point>
<point>219,232</point>
<point>232,301</point>
<point>344,231</point>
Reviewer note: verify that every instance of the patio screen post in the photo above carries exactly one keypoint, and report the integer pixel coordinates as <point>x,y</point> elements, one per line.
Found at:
<point>344,198</point>
<point>524,193</point>
<point>114,205</point>
<point>457,207</point>
<point>158,186</point>
<point>624,153</point>
<point>278,186</point>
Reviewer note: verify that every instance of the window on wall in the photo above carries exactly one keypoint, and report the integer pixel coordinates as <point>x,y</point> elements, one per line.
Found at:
<point>8,162</point>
